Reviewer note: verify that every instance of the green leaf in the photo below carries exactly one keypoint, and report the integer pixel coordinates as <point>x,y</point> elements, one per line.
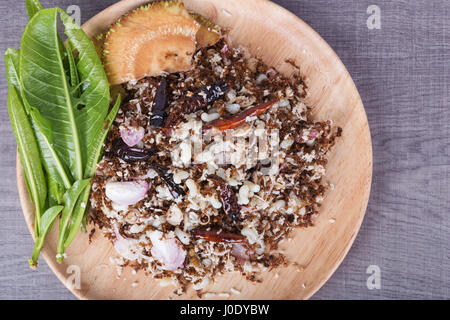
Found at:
<point>11,64</point>
<point>100,140</point>
<point>55,192</point>
<point>77,216</point>
<point>95,98</point>
<point>12,67</point>
<point>74,79</point>
<point>65,91</point>
<point>41,126</point>
<point>26,141</point>
<point>95,121</point>
<point>46,86</point>
<point>52,163</point>
<point>33,7</point>
<point>29,153</point>
<point>70,199</point>
<point>80,213</point>
<point>48,218</point>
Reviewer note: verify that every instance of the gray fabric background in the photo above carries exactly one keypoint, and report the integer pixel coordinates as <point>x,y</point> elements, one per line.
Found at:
<point>402,72</point>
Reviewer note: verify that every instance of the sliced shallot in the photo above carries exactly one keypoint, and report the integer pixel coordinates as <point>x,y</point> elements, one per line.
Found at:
<point>126,193</point>
<point>169,252</point>
<point>241,252</point>
<point>124,246</point>
<point>224,49</point>
<point>131,135</point>
<point>271,72</point>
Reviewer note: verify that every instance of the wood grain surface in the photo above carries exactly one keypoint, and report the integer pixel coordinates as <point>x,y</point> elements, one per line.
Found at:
<point>402,72</point>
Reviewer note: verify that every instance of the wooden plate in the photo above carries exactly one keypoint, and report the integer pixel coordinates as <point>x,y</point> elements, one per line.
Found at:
<point>275,35</point>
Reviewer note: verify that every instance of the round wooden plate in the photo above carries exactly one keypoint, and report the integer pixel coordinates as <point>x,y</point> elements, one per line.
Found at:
<point>274,34</point>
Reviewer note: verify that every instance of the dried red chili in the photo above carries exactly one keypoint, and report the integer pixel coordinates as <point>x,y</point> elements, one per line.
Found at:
<point>217,235</point>
<point>238,119</point>
<point>227,197</point>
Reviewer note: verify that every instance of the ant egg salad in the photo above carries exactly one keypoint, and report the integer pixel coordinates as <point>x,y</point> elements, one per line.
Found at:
<point>213,157</point>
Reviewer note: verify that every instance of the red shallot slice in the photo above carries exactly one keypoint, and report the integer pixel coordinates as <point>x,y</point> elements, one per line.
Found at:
<point>313,134</point>
<point>241,252</point>
<point>224,49</point>
<point>124,246</point>
<point>126,193</point>
<point>169,252</point>
<point>271,72</point>
<point>131,135</point>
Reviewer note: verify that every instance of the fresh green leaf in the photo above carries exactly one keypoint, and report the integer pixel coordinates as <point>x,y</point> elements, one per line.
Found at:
<point>52,163</point>
<point>95,98</point>
<point>55,192</point>
<point>79,214</point>
<point>93,160</point>
<point>29,153</point>
<point>33,7</point>
<point>70,199</point>
<point>46,86</point>
<point>74,79</point>
<point>48,218</point>
<point>100,140</point>
<point>12,67</point>
<point>50,159</point>
<point>88,65</point>
<point>26,141</point>
<point>64,94</point>
<point>11,64</point>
